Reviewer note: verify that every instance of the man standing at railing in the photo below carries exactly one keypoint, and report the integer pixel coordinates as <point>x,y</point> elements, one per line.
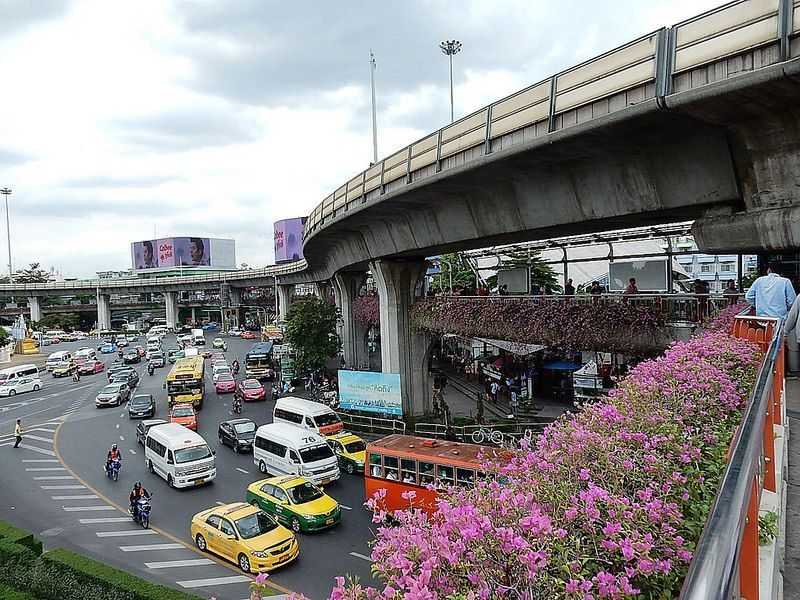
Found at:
<point>771,294</point>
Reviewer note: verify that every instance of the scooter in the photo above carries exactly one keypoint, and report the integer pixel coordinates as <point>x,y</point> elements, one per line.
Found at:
<point>112,469</point>
<point>144,506</point>
<point>236,406</point>
<point>150,369</point>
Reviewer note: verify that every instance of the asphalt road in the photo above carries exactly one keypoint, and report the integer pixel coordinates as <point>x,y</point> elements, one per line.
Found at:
<point>56,487</point>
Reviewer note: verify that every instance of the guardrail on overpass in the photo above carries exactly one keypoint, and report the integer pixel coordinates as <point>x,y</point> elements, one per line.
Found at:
<point>738,37</point>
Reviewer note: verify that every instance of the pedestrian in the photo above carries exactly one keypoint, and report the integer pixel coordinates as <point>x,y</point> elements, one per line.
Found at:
<point>18,433</point>
<point>771,294</point>
<point>595,288</point>
<point>569,289</point>
<point>631,288</point>
<point>493,389</point>
<point>731,292</point>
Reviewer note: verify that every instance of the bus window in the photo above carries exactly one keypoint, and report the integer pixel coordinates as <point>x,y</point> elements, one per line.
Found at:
<point>390,463</point>
<point>375,465</point>
<point>465,476</point>
<point>408,470</point>
<point>426,473</point>
<point>445,475</point>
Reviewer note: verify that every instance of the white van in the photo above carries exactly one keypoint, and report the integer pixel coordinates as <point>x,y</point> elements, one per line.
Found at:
<point>308,414</point>
<point>87,353</point>
<point>56,358</point>
<point>13,373</point>
<point>179,455</point>
<point>282,449</point>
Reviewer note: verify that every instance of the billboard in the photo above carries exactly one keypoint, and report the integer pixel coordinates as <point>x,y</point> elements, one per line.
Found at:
<point>183,252</point>
<point>370,392</point>
<point>289,239</point>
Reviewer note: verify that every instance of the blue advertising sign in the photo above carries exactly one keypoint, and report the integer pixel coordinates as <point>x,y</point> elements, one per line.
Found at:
<point>370,392</point>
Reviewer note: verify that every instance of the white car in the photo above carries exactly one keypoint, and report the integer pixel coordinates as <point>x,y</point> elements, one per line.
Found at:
<point>219,343</point>
<point>234,332</point>
<point>186,338</point>
<point>220,370</point>
<point>18,386</point>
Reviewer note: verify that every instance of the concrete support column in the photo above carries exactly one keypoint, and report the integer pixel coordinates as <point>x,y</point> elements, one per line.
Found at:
<point>322,289</point>
<point>235,296</point>
<point>194,315</point>
<point>35,305</point>
<point>284,300</point>
<point>402,351</point>
<point>346,286</point>
<point>103,311</point>
<point>171,301</point>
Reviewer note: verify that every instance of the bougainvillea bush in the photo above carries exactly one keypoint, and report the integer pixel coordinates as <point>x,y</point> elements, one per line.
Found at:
<point>724,320</point>
<point>604,326</point>
<point>366,310</point>
<point>609,503</point>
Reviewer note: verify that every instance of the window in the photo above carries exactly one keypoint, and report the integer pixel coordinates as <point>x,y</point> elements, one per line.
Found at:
<point>309,422</point>
<point>293,457</point>
<point>426,473</point>
<point>286,415</point>
<point>185,455</point>
<point>375,468</point>
<point>156,446</point>
<point>706,268</point>
<point>391,464</point>
<point>465,476</point>
<point>726,268</point>
<point>254,525</point>
<point>213,521</point>
<point>444,475</point>
<point>170,458</point>
<point>408,470</point>
<point>279,494</point>
<point>336,446</point>
<point>315,453</point>
<point>226,527</point>
<point>327,419</point>
<point>271,447</point>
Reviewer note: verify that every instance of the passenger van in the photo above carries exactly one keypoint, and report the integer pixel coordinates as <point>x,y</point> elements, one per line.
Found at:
<point>308,414</point>
<point>18,372</point>
<point>179,455</point>
<point>56,358</point>
<point>283,449</point>
<point>87,353</point>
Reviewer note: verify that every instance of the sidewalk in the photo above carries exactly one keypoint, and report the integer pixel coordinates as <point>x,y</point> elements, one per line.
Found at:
<point>791,563</point>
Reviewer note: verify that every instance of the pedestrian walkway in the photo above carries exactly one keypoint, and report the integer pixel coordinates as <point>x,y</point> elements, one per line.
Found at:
<point>791,573</point>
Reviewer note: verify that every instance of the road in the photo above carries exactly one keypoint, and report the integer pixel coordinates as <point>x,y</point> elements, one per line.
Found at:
<point>56,487</point>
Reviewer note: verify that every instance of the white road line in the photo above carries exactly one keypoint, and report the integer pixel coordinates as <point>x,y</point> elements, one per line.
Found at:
<point>40,460</point>
<point>63,487</point>
<point>83,497</point>
<point>39,450</point>
<point>104,520</point>
<point>37,438</point>
<point>87,508</point>
<point>131,450</point>
<point>148,547</point>
<point>53,477</point>
<point>242,471</point>
<point>105,534</point>
<point>196,583</point>
<point>117,425</point>
<point>218,503</point>
<point>361,556</point>
<point>169,564</point>
<point>35,469</point>
<point>345,507</point>
<point>121,438</point>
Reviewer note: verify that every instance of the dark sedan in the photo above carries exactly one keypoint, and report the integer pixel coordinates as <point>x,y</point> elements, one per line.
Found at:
<point>141,406</point>
<point>238,434</point>
<point>129,377</point>
<point>131,356</point>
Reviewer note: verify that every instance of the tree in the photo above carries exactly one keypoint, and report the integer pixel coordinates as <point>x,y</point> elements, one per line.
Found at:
<point>542,274</point>
<point>4,336</point>
<point>311,330</point>
<point>33,274</point>
<point>66,321</point>
<point>452,265</point>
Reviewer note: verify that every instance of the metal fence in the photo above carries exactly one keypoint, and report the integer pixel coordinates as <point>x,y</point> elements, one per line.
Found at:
<point>496,434</point>
<point>371,424</point>
<point>726,562</point>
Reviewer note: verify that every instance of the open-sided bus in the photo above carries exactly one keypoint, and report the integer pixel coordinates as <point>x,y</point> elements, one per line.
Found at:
<point>185,382</point>
<point>258,361</point>
<point>399,463</point>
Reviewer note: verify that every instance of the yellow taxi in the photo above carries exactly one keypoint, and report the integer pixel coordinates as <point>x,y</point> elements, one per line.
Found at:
<point>245,535</point>
<point>296,502</point>
<point>350,450</point>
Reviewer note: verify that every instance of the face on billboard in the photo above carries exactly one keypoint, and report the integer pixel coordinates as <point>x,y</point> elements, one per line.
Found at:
<point>145,255</point>
<point>192,252</point>
<point>288,240</point>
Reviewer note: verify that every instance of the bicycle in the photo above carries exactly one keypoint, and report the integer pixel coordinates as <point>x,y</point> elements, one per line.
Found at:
<point>479,436</point>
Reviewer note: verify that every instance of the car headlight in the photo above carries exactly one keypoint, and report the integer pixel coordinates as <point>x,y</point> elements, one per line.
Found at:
<point>259,554</point>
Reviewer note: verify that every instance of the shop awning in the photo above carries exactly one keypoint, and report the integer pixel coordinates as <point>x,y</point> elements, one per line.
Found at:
<point>513,347</point>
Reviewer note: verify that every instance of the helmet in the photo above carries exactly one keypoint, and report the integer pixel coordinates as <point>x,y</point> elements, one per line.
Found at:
<point>113,446</point>
<point>137,485</point>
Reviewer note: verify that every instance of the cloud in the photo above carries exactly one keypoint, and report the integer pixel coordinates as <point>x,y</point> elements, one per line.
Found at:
<point>9,158</point>
<point>108,181</point>
<point>18,15</point>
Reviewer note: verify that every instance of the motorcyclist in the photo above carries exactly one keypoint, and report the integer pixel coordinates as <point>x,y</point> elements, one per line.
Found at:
<point>150,368</point>
<point>76,376</point>
<point>237,405</point>
<point>119,352</point>
<point>137,492</point>
<point>235,367</point>
<point>112,455</point>
<point>275,392</point>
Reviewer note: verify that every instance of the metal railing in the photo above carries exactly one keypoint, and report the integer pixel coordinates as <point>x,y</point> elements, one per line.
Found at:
<point>648,68</point>
<point>371,424</point>
<point>725,563</point>
<point>497,434</point>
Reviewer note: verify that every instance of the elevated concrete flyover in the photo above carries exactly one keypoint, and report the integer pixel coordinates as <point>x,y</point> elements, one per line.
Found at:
<point>699,120</point>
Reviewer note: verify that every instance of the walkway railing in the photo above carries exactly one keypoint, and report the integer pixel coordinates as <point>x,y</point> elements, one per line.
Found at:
<point>726,563</point>
<point>371,424</point>
<point>490,434</point>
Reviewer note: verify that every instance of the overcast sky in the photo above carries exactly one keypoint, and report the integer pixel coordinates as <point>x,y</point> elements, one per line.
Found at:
<point>118,119</point>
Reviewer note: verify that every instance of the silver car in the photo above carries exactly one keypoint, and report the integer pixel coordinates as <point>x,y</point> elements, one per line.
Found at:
<point>114,394</point>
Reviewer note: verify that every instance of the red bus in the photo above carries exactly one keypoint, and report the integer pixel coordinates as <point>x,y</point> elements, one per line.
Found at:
<point>399,463</point>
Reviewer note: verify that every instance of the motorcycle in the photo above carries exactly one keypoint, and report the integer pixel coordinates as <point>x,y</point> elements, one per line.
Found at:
<point>236,406</point>
<point>144,506</point>
<point>112,469</point>
<point>150,369</point>
<point>275,393</point>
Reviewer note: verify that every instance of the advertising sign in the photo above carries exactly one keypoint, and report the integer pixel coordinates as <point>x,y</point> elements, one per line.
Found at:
<point>185,252</point>
<point>289,240</point>
<point>370,392</point>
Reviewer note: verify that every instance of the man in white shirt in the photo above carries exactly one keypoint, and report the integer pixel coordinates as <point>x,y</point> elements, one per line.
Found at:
<point>771,294</point>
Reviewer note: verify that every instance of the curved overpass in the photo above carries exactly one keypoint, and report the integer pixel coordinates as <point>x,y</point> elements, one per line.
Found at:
<point>683,123</point>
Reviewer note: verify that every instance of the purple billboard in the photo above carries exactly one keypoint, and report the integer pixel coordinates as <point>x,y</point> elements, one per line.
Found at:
<point>289,239</point>
<point>183,252</point>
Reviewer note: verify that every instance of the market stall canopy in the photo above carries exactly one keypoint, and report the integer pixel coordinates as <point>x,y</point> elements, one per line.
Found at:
<point>513,347</point>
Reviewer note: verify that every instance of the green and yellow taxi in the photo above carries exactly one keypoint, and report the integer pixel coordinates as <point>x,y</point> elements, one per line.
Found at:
<point>296,502</point>
<point>350,449</point>
<point>64,368</point>
<point>245,535</point>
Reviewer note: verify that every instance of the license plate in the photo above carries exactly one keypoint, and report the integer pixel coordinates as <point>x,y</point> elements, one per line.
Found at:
<point>325,482</point>
<point>329,521</point>
<point>199,481</point>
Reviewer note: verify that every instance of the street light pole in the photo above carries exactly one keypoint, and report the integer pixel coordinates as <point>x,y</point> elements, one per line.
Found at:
<point>372,66</point>
<point>7,192</point>
<point>450,47</point>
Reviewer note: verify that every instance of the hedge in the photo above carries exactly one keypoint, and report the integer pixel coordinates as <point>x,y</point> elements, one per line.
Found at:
<point>7,593</point>
<point>20,536</point>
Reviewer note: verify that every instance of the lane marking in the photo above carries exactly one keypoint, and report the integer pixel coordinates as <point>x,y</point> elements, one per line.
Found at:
<point>83,497</point>
<point>147,547</point>
<point>170,564</point>
<point>40,460</point>
<point>37,438</point>
<point>105,534</point>
<point>345,507</point>
<point>361,556</point>
<point>53,477</point>
<point>196,583</point>
<point>131,450</point>
<point>36,469</point>
<point>33,449</point>
<point>63,487</point>
<point>86,508</point>
<point>117,425</point>
<point>121,438</point>
<point>218,503</point>
<point>242,471</point>
<point>104,520</point>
